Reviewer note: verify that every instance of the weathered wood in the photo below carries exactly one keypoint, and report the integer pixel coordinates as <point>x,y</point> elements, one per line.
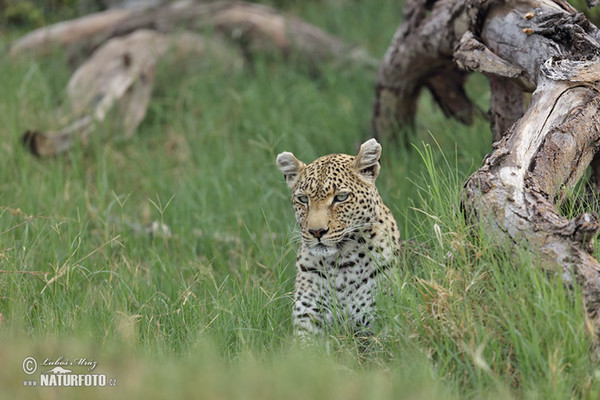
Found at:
<point>120,73</point>
<point>256,27</point>
<point>433,32</point>
<point>49,144</point>
<point>543,46</point>
<point>516,188</point>
<point>507,82</point>
<point>447,88</point>
<point>421,47</point>
<point>126,45</point>
<point>45,40</point>
<point>507,105</point>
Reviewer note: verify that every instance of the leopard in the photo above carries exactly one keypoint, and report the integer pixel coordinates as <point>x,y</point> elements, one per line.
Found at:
<point>349,240</point>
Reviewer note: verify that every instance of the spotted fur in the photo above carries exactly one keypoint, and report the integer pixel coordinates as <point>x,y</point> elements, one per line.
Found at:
<point>349,238</point>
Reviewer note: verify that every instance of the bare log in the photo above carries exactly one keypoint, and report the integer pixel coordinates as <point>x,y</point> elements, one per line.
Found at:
<point>120,73</point>
<point>541,46</point>
<point>125,46</point>
<point>65,34</point>
<point>257,28</point>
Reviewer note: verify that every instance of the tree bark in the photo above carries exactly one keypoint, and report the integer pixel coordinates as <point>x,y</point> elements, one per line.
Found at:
<point>421,48</point>
<point>544,47</point>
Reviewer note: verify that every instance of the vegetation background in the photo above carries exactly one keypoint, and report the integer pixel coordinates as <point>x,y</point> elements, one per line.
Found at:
<point>203,311</point>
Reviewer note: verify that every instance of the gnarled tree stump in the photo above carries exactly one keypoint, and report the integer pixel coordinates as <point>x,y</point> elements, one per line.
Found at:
<point>543,46</point>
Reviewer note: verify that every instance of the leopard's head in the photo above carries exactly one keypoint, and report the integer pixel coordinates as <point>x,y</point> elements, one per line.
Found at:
<point>334,197</point>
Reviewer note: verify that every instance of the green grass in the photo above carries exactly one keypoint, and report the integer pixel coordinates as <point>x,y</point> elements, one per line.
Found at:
<point>205,311</point>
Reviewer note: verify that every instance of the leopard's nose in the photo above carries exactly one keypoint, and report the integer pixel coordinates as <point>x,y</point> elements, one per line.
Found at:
<point>318,233</point>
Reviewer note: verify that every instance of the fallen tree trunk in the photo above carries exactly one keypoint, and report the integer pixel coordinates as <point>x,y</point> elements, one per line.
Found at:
<point>119,74</point>
<point>63,35</point>
<point>124,47</point>
<point>255,27</point>
<point>543,46</point>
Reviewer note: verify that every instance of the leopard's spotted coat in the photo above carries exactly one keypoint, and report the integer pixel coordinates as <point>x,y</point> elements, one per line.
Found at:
<point>349,238</point>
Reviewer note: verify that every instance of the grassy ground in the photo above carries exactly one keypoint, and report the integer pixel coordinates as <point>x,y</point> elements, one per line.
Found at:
<point>205,311</point>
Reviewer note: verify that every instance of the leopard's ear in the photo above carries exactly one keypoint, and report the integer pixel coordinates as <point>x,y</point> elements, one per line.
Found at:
<point>366,162</point>
<point>290,166</point>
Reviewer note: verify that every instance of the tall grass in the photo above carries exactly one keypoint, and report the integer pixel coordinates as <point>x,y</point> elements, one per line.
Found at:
<point>203,309</point>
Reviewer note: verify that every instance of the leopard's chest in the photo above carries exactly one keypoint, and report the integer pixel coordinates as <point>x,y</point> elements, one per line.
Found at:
<point>341,289</point>
<point>342,276</point>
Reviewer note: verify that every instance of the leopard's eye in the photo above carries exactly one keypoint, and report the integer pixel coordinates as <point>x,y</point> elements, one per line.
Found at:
<point>302,198</point>
<point>341,197</point>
